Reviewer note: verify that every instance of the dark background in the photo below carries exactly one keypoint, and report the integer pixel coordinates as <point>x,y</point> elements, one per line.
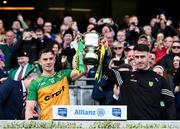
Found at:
<point>144,9</point>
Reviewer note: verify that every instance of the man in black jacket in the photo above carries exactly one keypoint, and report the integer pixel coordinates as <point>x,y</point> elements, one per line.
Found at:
<point>12,98</point>
<point>143,91</point>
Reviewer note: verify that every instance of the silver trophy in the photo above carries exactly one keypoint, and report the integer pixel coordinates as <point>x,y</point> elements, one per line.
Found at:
<point>91,42</point>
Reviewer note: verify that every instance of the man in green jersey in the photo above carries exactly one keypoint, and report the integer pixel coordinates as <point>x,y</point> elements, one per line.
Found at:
<point>50,88</point>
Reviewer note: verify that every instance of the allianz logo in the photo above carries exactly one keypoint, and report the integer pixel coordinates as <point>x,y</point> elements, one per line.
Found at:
<point>84,112</point>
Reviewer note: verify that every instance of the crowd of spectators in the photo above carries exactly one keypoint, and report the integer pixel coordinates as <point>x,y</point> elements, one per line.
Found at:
<point>20,46</point>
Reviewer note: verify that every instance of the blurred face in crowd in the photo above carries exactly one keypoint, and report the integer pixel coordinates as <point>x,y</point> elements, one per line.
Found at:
<point>162,24</point>
<point>67,40</point>
<point>142,41</point>
<point>23,60</point>
<point>176,62</point>
<point>68,21</point>
<point>159,70</point>
<point>39,34</point>
<point>10,37</point>
<point>176,48</point>
<point>1,24</point>
<point>118,48</point>
<point>16,25</point>
<point>168,42</point>
<point>175,38</point>
<point>92,20</point>
<point>55,48</point>
<point>89,27</point>
<point>105,30</point>
<point>141,59</point>
<point>109,38</point>
<point>160,37</point>
<point>121,36</point>
<point>130,55</point>
<point>133,20</point>
<point>40,21</point>
<point>47,61</point>
<point>147,30</point>
<point>47,27</point>
<point>63,28</point>
<point>152,59</point>
<point>153,22</point>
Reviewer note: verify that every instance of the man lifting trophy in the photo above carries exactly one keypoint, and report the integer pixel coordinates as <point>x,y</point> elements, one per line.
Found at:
<point>90,51</point>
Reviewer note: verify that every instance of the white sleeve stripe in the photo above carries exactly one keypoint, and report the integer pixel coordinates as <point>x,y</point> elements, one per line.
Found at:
<point>168,94</point>
<point>169,91</point>
<point>118,77</point>
<point>166,90</point>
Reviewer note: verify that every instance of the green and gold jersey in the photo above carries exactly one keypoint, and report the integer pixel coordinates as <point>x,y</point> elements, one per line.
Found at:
<point>49,91</point>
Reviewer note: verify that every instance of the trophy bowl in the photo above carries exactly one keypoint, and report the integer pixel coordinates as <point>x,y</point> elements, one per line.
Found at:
<point>91,42</point>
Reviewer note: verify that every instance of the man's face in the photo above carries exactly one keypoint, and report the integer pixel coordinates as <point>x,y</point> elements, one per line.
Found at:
<point>10,37</point>
<point>47,27</point>
<point>23,60</point>
<point>39,34</point>
<point>152,59</point>
<point>121,36</point>
<point>16,25</point>
<point>47,61</point>
<point>176,48</point>
<point>141,59</point>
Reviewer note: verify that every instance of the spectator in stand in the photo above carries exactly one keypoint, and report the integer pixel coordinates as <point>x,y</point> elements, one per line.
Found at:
<point>61,58</point>
<point>29,44</point>
<point>3,71</point>
<point>121,36</point>
<point>152,59</point>
<point>148,32</point>
<point>2,30</point>
<point>176,38</point>
<point>10,48</point>
<point>24,67</point>
<point>47,32</point>
<point>39,23</point>
<point>90,27</point>
<point>125,22</point>
<point>66,48</point>
<point>167,60</point>
<point>164,26</point>
<point>118,54</point>
<point>134,31</point>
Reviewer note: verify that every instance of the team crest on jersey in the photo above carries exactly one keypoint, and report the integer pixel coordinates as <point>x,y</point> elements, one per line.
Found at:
<point>151,84</point>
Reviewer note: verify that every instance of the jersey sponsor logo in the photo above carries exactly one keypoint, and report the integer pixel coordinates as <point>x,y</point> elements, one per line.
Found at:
<point>48,97</point>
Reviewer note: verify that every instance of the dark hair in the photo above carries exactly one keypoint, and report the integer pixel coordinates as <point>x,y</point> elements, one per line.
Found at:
<point>39,30</point>
<point>141,47</point>
<point>46,50</point>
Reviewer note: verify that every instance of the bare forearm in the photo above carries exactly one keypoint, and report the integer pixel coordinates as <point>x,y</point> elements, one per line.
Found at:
<point>29,110</point>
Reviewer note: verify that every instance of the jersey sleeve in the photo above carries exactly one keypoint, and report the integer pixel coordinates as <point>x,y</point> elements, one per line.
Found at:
<point>32,92</point>
<point>67,73</point>
<point>168,98</point>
